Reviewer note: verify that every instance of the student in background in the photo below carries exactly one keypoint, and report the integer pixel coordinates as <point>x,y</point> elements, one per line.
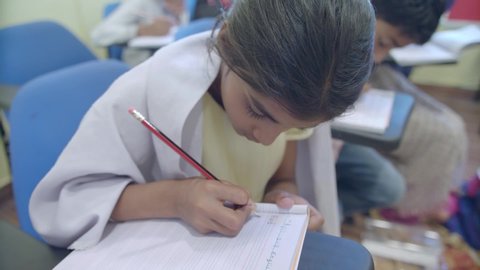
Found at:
<point>209,8</point>
<point>229,107</point>
<point>138,18</point>
<point>417,176</point>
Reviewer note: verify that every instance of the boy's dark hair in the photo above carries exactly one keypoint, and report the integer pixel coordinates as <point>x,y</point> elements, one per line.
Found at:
<point>311,56</point>
<point>418,19</point>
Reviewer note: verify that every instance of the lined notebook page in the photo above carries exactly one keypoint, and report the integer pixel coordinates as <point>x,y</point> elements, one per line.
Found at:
<point>271,239</point>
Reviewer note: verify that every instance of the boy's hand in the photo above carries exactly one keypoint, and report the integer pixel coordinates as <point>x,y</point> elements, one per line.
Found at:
<point>286,200</point>
<point>200,203</point>
<point>158,27</point>
<point>176,7</point>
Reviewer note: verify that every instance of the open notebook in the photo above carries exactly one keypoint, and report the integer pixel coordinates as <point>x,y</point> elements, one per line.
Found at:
<point>272,238</point>
<point>153,42</point>
<point>371,112</point>
<point>443,47</point>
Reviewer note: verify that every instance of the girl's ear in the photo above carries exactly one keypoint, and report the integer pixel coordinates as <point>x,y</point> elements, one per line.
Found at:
<point>223,29</point>
<point>224,26</point>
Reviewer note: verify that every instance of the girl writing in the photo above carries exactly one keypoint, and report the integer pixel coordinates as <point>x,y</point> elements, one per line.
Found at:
<point>231,100</point>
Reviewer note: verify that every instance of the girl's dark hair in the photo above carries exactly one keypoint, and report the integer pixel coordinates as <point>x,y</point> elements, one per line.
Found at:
<point>418,19</point>
<point>311,56</point>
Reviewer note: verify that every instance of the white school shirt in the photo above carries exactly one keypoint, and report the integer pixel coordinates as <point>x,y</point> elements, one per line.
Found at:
<point>72,204</point>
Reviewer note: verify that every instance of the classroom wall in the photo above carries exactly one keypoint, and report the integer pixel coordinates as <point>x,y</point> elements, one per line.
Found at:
<point>79,16</point>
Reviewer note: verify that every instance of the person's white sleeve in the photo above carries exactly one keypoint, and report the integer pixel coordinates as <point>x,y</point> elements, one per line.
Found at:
<point>315,175</point>
<point>106,34</point>
<point>72,204</point>
<point>122,24</point>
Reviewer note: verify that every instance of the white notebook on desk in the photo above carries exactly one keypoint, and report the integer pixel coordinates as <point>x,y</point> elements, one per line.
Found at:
<point>443,47</point>
<point>153,42</point>
<point>270,239</point>
<point>372,112</point>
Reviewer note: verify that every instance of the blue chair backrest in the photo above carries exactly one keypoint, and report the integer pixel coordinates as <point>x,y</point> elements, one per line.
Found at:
<point>191,5</point>
<point>196,26</point>
<point>113,51</point>
<point>32,49</point>
<point>109,8</point>
<point>44,115</point>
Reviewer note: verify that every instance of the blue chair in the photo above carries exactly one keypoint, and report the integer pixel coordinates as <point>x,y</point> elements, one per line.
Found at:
<point>44,116</point>
<point>196,26</point>
<point>32,49</point>
<point>113,51</point>
<point>202,9</point>
<point>203,17</point>
<point>190,6</point>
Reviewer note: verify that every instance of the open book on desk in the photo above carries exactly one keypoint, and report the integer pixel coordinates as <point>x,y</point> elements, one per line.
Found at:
<point>272,238</point>
<point>443,47</point>
<point>371,112</point>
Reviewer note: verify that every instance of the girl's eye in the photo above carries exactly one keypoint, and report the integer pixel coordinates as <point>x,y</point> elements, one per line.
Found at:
<point>253,113</point>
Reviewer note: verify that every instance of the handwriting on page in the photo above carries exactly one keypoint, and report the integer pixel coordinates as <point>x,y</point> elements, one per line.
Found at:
<point>278,241</point>
<point>267,241</point>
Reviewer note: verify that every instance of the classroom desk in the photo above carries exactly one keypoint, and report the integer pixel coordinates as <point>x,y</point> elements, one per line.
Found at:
<point>19,250</point>
<point>390,140</point>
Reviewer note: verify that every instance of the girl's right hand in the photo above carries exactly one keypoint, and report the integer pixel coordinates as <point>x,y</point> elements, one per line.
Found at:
<point>200,203</point>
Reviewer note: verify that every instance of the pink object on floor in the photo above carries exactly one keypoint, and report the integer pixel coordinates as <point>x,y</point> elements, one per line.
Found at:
<point>393,215</point>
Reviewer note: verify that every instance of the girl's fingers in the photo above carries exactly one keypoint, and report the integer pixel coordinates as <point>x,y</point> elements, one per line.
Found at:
<point>316,220</point>
<point>285,202</point>
<point>228,221</point>
<point>231,193</point>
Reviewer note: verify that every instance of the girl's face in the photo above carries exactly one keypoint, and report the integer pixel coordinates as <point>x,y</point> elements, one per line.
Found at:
<point>253,115</point>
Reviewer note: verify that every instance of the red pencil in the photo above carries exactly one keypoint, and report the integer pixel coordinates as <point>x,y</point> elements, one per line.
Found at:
<point>179,151</point>
<point>171,144</point>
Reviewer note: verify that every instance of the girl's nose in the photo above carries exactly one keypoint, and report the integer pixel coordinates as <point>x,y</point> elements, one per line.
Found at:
<point>266,136</point>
